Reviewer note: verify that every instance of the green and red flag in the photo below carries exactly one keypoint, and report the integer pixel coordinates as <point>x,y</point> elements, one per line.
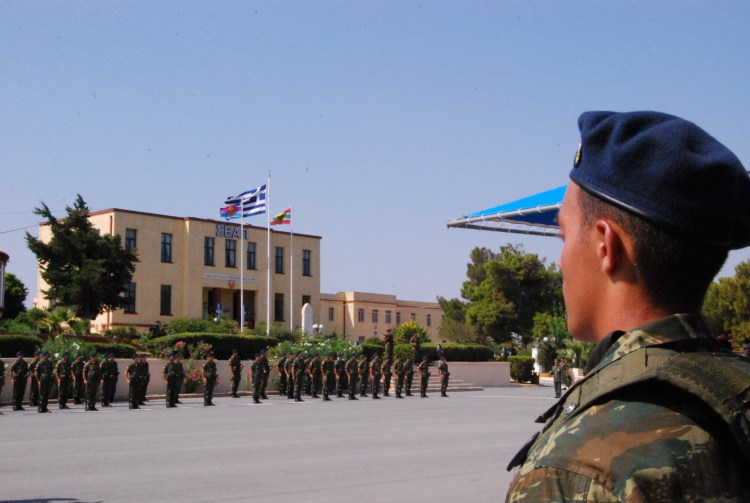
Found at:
<point>285,217</point>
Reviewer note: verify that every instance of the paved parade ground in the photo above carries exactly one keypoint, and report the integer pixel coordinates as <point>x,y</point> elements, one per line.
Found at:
<point>434,449</point>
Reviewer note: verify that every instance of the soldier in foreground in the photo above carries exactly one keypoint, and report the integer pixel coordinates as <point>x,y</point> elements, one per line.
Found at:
<point>133,378</point>
<point>235,371</point>
<point>170,378</point>
<point>110,373</point>
<point>92,377</point>
<point>444,375</point>
<point>256,374</point>
<point>653,207</point>
<point>44,371</point>
<point>19,375</point>
<point>63,372</point>
<point>364,375</point>
<point>424,376</point>
<point>298,369</point>
<point>209,374</point>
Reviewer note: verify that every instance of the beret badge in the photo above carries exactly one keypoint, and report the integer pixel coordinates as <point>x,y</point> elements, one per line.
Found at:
<point>577,159</point>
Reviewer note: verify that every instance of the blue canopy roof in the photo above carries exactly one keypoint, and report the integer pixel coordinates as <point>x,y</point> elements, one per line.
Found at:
<point>535,215</point>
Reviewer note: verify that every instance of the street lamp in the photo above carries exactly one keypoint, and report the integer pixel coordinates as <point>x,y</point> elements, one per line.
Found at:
<point>317,329</point>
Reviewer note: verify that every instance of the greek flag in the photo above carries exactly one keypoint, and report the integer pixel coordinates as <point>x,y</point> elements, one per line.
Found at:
<point>252,202</point>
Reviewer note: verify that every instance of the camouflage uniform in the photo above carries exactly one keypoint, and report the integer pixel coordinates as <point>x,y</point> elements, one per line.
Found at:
<point>92,372</point>
<point>612,440</point>
<point>316,376</point>
<point>387,373</point>
<point>63,371</point>
<point>266,371</point>
<point>398,369</point>
<point>110,373</point>
<point>290,382</point>
<point>424,377</point>
<point>340,369</point>
<point>34,390</point>
<point>408,374</point>
<point>133,376</point>
<point>256,373</point>
<point>299,373</point>
<point>170,378</point>
<point>145,376</point>
<point>44,371</point>
<point>388,340</point>
<point>375,374</point>
<point>281,370</point>
<point>78,384</point>
<point>364,375</point>
<point>444,375</point>
<point>209,375</point>
<point>558,373</point>
<point>19,372</point>
<point>235,370</point>
<point>329,378</point>
<point>351,372</point>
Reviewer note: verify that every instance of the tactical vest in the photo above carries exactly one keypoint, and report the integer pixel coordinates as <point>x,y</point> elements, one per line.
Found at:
<point>721,381</point>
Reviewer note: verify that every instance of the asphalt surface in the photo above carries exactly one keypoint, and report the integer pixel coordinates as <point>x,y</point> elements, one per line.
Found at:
<point>434,449</point>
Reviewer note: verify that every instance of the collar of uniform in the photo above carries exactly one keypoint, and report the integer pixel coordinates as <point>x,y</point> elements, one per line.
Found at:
<point>674,328</point>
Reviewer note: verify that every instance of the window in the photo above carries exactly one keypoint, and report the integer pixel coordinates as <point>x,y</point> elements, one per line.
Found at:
<point>166,247</point>
<point>306,270</point>
<point>208,251</point>
<point>360,315</point>
<point>398,317</point>
<point>331,314</point>
<point>374,315</point>
<point>278,307</point>
<point>251,257</point>
<point>130,239</point>
<point>129,295</point>
<point>305,299</point>
<point>279,260</point>
<point>166,300</point>
<point>429,320</point>
<point>230,253</point>
<point>387,317</point>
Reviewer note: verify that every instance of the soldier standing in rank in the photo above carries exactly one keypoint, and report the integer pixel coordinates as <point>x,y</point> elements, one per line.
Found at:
<point>2,377</point>
<point>145,376</point>
<point>375,375</point>
<point>79,386</point>
<point>133,378</point>
<point>281,371</point>
<point>444,375</point>
<point>398,369</point>
<point>387,372</point>
<point>170,377</point>
<point>264,375</point>
<point>328,376</point>
<point>256,374</point>
<point>299,373</point>
<point>315,375</point>
<point>306,376</point>
<point>179,371</point>
<point>209,374</point>
<point>558,374</point>
<point>34,392</point>
<point>388,340</point>
<point>290,382</point>
<point>92,377</point>
<point>110,373</point>
<point>44,371</point>
<point>340,369</point>
<point>235,371</point>
<point>63,372</point>
<point>352,373</point>
<point>19,375</point>
<point>364,375</point>
<point>408,374</point>
<point>424,374</point>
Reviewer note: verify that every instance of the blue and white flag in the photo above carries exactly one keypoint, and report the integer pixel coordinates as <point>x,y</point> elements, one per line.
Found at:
<point>252,202</point>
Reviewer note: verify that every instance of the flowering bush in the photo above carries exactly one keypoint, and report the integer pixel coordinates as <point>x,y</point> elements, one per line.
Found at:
<point>320,346</point>
<point>60,344</point>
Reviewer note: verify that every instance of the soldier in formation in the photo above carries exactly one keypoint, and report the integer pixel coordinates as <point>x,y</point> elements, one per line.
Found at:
<point>110,373</point>
<point>364,375</point>
<point>19,375</point>
<point>133,378</point>
<point>315,374</point>
<point>329,376</point>
<point>375,374</point>
<point>558,375</point>
<point>79,385</point>
<point>63,373</point>
<point>45,369</point>
<point>352,372</point>
<point>298,369</point>
<point>408,374</point>
<point>424,376</point>
<point>341,378</point>
<point>281,372</point>
<point>2,377</point>
<point>256,374</point>
<point>266,367</point>
<point>387,373</point>
<point>209,374</point>
<point>235,371</point>
<point>170,379</point>
<point>92,377</point>
<point>145,376</point>
<point>34,391</point>
<point>444,375</point>
<point>398,369</point>
<point>289,370</point>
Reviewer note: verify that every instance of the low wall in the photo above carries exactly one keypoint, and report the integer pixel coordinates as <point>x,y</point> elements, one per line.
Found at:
<point>485,374</point>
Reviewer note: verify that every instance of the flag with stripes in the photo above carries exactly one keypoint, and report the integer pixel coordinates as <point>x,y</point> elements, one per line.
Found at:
<point>251,202</point>
<point>285,217</point>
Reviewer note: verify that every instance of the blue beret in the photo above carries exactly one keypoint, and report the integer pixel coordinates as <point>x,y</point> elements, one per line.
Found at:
<point>668,171</point>
<point>424,357</point>
<point>45,353</point>
<point>65,353</point>
<point>36,353</point>
<point>19,353</point>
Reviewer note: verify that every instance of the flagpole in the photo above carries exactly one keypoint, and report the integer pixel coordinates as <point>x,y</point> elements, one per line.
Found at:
<point>268,255</point>
<point>242,269</point>
<point>291,273</point>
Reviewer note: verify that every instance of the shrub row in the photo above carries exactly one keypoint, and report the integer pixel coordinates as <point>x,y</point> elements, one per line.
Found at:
<point>11,344</point>
<point>452,352</point>
<point>222,344</point>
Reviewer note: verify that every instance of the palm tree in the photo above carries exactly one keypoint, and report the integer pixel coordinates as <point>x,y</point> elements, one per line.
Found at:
<point>577,351</point>
<point>55,319</point>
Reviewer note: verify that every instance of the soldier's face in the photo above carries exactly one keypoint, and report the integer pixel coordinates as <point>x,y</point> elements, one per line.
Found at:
<point>578,264</point>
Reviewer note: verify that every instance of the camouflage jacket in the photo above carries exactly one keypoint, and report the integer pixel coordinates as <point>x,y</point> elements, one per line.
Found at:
<point>315,367</point>
<point>209,370</point>
<point>109,369</point>
<point>443,368</point>
<point>133,372</point>
<point>92,371</point>
<point>408,367</point>
<point>340,366</point>
<point>328,367</point>
<point>281,366</point>
<point>19,369</point>
<point>265,366</point>
<point>632,440</point>
<point>63,369</point>
<point>398,367</point>
<point>299,365</point>
<point>77,369</point>
<point>376,368</point>
<point>44,370</point>
<point>364,367</point>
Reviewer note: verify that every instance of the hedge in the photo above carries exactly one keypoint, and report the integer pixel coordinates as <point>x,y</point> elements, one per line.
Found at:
<point>222,344</point>
<point>452,352</point>
<point>521,368</point>
<point>119,350</point>
<point>11,344</point>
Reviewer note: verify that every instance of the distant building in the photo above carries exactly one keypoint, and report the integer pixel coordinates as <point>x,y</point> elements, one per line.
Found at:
<point>357,316</point>
<point>189,268</point>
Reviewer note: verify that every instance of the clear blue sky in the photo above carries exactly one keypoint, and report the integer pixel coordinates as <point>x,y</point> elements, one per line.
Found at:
<point>379,121</point>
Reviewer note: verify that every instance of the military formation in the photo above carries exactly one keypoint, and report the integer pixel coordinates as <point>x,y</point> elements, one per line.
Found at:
<point>87,382</point>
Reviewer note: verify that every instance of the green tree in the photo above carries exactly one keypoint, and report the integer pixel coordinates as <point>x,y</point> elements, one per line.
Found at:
<point>15,295</point>
<point>506,290</point>
<point>403,332</point>
<point>727,302</point>
<point>458,331</point>
<point>453,309</point>
<point>84,270</point>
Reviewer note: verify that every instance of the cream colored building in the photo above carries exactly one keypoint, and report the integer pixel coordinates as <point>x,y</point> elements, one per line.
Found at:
<point>357,315</point>
<point>190,268</point>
